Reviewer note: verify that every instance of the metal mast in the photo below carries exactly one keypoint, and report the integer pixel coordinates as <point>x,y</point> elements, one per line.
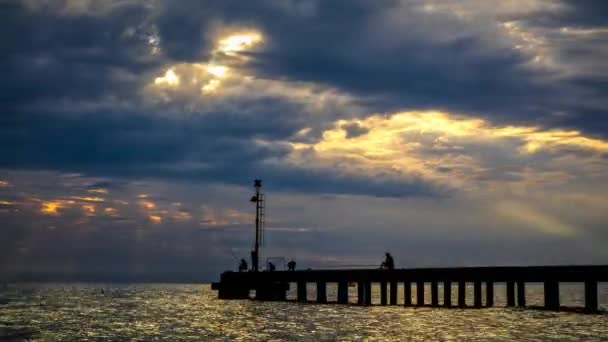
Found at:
<point>258,198</point>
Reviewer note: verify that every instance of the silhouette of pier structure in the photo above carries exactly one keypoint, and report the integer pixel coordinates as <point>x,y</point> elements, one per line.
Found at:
<point>273,286</point>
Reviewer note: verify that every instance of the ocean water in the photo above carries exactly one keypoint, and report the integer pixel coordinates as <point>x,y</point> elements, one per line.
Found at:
<point>158,312</point>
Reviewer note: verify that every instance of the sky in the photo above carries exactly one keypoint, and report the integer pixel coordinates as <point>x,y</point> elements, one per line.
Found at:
<point>449,133</point>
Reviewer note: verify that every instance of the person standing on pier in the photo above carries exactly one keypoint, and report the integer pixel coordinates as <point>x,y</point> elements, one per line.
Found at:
<point>291,266</point>
<point>389,263</point>
<point>243,266</point>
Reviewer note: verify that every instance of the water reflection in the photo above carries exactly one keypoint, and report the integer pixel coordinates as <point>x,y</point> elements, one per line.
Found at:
<point>193,313</point>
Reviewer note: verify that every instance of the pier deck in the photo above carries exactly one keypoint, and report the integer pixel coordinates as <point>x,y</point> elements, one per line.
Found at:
<point>274,285</point>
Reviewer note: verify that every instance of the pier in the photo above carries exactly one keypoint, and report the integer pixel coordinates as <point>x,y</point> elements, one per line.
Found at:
<point>274,285</point>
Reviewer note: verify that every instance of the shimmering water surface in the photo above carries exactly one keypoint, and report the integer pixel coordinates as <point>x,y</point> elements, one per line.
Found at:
<point>94,312</point>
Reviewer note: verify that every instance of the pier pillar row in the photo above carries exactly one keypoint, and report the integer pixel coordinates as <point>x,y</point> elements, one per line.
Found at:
<point>510,293</point>
<point>462,288</point>
<point>342,292</point>
<point>302,292</point>
<point>407,293</point>
<point>489,294</point>
<point>383,293</point>
<point>552,295</point>
<point>591,303</point>
<point>434,294</point>
<point>477,294</point>
<point>419,293</point>
<point>321,292</point>
<point>521,293</point>
<point>393,293</point>
<point>447,294</point>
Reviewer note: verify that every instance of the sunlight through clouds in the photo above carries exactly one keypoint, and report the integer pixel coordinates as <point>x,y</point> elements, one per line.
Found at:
<point>208,76</point>
<point>169,79</point>
<point>436,145</point>
<point>524,214</point>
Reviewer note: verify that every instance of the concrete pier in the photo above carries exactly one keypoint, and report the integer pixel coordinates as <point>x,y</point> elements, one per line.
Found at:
<point>343,292</point>
<point>477,294</point>
<point>393,293</point>
<point>552,295</point>
<point>321,292</point>
<point>591,303</point>
<point>274,285</point>
<point>489,294</point>
<point>462,294</point>
<point>447,294</point>
<point>383,288</point>
<point>302,292</point>
<point>434,294</point>
<point>510,293</point>
<point>361,293</point>
<point>521,293</point>
<point>407,293</point>
<point>420,293</point>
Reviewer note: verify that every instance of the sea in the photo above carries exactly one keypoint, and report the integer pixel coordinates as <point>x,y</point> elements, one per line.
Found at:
<point>192,312</point>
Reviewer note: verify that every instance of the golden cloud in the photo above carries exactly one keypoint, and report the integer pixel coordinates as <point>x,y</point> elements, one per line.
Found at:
<point>208,76</point>
<point>428,143</point>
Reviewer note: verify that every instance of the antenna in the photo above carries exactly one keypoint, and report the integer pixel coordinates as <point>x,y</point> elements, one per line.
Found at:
<point>259,201</point>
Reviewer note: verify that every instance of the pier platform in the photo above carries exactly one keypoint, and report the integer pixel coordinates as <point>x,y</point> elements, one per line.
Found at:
<point>274,285</point>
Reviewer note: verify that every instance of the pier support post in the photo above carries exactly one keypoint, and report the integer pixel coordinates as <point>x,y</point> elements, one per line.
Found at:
<point>462,294</point>
<point>231,291</point>
<point>361,293</point>
<point>489,294</point>
<point>302,292</point>
<point>407,293</point>
<point>383,292</point>
<point>276,291</point>
<point>552,295</point>
<point>393,293</point>
<point>434,294</point>
<point>342,292</point>
<point>521,293</point>
<point>477,294</point>
<point>368,293</point>
<point>419,293</point>
<point>510,293</point>
<point>447,294</point>
<point>591,303</point>
<point>321,292</point>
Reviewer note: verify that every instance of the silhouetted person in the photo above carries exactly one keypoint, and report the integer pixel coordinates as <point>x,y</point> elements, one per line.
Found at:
<point>243,266</point>
<point>291,266</point>
<point>254,260</point>
<point>271,267</point>
<point>389,263</point>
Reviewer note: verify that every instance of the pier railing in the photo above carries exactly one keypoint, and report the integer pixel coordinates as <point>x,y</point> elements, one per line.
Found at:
<point>273,285</point>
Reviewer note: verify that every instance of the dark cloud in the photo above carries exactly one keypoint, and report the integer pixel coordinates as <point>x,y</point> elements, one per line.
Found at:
<point>215,148</point>
<point>52,58</point>
<point>388,54</point>
<point>591,13</point>
<point>354,130</point>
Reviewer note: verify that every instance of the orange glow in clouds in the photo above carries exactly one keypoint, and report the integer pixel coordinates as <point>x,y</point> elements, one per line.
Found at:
<point>51,208</point>
<point>155,219</point>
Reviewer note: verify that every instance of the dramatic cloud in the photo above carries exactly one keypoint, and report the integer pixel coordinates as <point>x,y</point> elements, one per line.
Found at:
<point>131,130</point>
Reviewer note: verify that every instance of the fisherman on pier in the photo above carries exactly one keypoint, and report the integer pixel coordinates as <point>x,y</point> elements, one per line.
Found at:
<point>388,263</point>
<point>243,266</point>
